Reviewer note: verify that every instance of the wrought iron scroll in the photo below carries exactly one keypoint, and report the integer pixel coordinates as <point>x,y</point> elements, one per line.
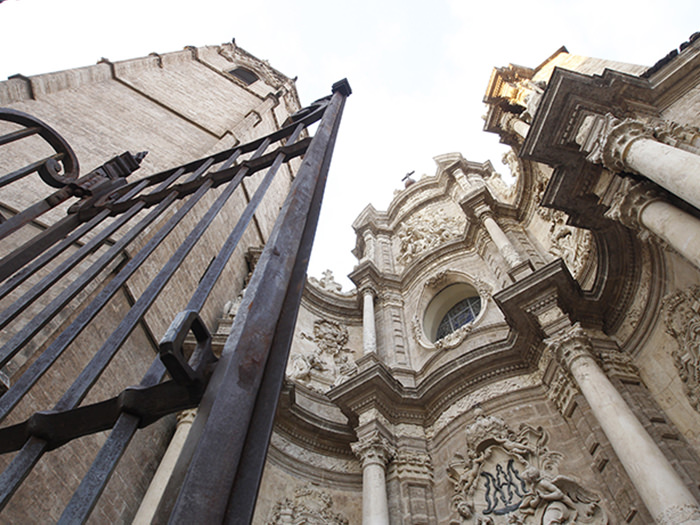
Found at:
<point>105,218</point>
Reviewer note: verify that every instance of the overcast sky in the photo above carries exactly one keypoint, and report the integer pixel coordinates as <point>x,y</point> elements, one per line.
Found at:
<point>418,69</point>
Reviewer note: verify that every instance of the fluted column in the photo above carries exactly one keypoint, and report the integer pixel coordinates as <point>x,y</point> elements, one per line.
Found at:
<point>638,206</point>
<point>374,452</point>
<point>369,331</point>
<point>151,500</point>
<point>658,484</point>
<point>630,145</point>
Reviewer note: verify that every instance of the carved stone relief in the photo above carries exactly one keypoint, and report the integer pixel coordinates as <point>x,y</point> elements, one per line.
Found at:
<point>329,363</point>
<point>573,245</point>
<point>309,506</point>
<point>508,477</point>
<point>427,230</point>
<point>329,284</point>
<point>682,319</point>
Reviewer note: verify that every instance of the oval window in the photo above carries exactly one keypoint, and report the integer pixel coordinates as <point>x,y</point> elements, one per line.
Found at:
<point>452,308</point>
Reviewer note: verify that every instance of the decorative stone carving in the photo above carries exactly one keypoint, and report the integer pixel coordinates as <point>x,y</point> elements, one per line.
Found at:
<point>573,245</point>
<point>373,449</point>
<point>606,138</point>
<point>682,319</point>
<point>436,280</point>
<point>562,391</point>
<point>427,230</point>
<point>510,159</point>
<point>628,201</point>
<point>510,477</point>
<point>310,505</point>
<point>414,464</point>
<point>329,284</point>
<point>454,339</point>
<point>676,135</point>
<point>330,363</point>
<point>236,55</point>
<point>573,344</point>
<point>678,515</point>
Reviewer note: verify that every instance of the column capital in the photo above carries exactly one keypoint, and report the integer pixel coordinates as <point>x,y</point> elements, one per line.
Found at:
<point>571,345</point>
<point>373,449</point>
<point>606,139</point>
<point>629,199</point>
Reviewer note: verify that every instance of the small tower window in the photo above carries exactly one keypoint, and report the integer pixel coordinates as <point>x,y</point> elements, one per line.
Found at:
<point>246,75</point>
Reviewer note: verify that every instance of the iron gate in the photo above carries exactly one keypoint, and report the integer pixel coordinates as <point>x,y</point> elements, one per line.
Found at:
<point>220,468</point>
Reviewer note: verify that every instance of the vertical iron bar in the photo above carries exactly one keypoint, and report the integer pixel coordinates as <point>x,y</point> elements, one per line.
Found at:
<point>94,482</point>
<point>241,505</point>
<point>219,430</point>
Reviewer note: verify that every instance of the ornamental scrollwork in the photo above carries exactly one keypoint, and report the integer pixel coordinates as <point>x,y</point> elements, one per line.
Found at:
<point>508,477</point>
<point>682,319</point>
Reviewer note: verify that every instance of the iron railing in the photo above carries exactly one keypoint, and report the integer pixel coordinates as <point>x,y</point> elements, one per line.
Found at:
<point>219,471</point>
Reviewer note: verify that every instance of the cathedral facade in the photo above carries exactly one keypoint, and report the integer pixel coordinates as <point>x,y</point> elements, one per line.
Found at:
<point>516,350</point>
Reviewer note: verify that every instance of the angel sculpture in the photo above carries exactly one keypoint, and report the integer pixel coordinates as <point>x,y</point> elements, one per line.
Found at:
<point>560,501</point>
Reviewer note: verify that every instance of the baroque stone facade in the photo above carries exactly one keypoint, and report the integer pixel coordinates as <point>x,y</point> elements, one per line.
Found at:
<point>511,354</point>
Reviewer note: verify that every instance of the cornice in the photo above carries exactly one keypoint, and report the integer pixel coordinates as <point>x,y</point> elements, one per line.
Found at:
<point>568,98</point>
<point>675,74</point>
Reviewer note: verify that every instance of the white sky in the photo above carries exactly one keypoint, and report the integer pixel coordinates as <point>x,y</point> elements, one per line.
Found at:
<point>418,69</point>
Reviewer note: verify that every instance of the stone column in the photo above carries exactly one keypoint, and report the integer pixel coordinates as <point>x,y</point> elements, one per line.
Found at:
<point>374,452</point>
<point>369,331</point>
<point>656,481</point>
<point>499,238</point>
<point>638,206</point>
<point>630,145</point>
<point>515,125</point>
<point>151,500</point>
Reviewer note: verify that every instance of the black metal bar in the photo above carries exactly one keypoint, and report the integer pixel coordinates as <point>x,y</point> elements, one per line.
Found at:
<point>15,222</point>
<point>219,431</point>
<point>46,257</point>
<point>28,169</point>
<point>19,134</point>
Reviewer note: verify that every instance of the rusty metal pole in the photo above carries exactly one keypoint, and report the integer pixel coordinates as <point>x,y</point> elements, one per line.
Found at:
<point>226,416</point>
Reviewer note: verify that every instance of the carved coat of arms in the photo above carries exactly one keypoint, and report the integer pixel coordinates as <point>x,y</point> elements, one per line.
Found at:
<point>511,478</point>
